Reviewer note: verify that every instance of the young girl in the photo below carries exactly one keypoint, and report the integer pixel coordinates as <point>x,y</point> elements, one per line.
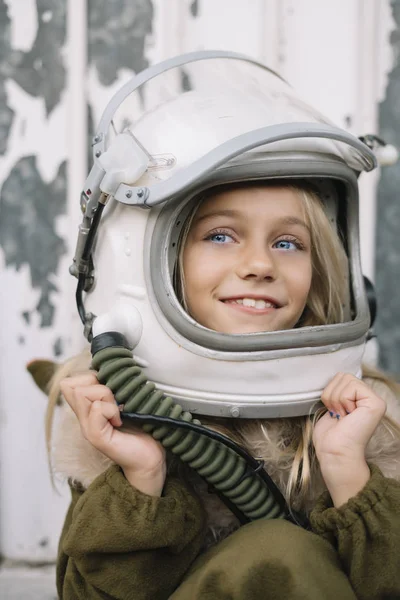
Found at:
<point>255,256</point>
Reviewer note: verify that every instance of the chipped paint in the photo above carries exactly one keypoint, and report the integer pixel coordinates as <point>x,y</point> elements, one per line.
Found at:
<point>7,59</point>
<point>117,35</point>
<point>58,347</point>
<point>43,542</point>
<point>116,38</point>
<point>26,315</point>
<point>29,208</point>
<point>40,70</point>
<point>28,205</point>
<point>388,218</point>
<point>194,8</point>
<point>186,84</point>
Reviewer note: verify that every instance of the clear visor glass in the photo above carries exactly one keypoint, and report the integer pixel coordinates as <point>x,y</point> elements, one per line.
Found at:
<point>183,113</point>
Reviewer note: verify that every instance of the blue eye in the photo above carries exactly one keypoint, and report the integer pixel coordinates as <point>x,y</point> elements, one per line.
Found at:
<point>286,245</point>
<point>220,238</point>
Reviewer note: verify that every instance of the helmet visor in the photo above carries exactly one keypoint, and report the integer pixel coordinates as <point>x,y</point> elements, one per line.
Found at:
<point>214,101</point>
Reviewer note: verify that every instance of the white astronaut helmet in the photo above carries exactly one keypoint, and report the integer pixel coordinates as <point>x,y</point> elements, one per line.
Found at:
<point>189,124</point>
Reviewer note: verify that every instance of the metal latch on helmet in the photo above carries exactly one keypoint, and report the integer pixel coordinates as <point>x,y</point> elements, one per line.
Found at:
<point>386,154</point>
<point>78,265</point>
<point>82,263</point>
<point>124,162</point>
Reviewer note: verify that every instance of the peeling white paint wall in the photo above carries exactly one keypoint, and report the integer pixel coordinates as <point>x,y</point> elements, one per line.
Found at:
<point>335,53</point>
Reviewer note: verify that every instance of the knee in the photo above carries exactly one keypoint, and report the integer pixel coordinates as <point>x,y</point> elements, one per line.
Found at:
<point>279,541</point>
<point>273,555</point>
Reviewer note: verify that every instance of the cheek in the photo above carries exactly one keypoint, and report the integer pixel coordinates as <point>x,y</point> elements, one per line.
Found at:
<point>196,272</point>
<point>300,277</point>
<point>201,283</point>
<point>306,284</point>
<point>202,271</point>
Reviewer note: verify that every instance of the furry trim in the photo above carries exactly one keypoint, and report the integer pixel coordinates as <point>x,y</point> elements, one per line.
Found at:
<point>72,456</point>
<point>383,449</point>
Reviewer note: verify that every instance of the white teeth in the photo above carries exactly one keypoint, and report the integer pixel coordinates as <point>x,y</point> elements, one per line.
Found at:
<point>251,302</point>
<point>260,304</point>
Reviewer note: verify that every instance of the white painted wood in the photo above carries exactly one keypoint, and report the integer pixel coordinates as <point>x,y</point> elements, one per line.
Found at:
<point>375,58</point>
<point>318,54</point>
<point>77,148</point>
<point>270,34</point>
<point>234,25</point>
<point>31,512</point>
<point>169,23</point>
<point>366,121</point>
<point>23,31</point>
<point>331,52</point>
<point>337,54</point>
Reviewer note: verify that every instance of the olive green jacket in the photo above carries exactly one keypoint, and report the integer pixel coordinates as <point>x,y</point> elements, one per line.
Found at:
<point>118,543</point>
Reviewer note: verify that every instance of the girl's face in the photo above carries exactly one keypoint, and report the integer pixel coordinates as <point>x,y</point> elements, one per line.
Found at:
<point>247,261</point>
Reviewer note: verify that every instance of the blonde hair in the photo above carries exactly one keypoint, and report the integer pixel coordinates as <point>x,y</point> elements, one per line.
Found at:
<point>74,366</point>
<point>329,265</point>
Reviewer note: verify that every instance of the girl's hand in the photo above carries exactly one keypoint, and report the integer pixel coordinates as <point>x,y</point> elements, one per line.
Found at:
<point>141,458</point>
<point>342,434</point>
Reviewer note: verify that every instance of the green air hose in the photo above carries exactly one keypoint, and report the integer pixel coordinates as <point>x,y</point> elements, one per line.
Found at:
<point>235,475</point>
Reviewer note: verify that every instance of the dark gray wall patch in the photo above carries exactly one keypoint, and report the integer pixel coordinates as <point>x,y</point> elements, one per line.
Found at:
<point>6,67</point>
<point>388,220</point>
<point>40,72</point>
<point>58,347</point>
<point>186,84</point>
<point>117,34</point>
<point>29,208</point>
<point>194,8</point>
<point>28,205</point>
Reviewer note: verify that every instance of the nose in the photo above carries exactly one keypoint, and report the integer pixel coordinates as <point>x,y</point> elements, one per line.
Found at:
<point>257,263</point>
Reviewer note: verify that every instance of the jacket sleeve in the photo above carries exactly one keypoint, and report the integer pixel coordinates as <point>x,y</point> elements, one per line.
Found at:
<point>366,534</point>
<point>118,543</point>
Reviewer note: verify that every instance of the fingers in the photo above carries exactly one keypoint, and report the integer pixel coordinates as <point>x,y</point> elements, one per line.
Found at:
<point>96,427</point>
<point>346,392</point>
<point>87,396</point>
<point>99,419</point>
<point>335,397</point>
<point>83,391</point>
<point>69,384</point>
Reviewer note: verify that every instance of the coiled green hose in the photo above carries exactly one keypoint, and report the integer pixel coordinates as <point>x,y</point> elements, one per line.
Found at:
<point>215,461</point>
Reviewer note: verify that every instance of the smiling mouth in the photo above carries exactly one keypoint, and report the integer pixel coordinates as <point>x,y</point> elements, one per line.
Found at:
<point>252,305</point>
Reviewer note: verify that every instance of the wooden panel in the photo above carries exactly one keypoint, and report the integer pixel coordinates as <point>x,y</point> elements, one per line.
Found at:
<point>336,54</point>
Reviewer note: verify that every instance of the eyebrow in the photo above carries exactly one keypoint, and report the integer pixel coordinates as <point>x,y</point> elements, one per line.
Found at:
<point>294,221</point>
<point>220,213</point>
<point>291,220</point>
